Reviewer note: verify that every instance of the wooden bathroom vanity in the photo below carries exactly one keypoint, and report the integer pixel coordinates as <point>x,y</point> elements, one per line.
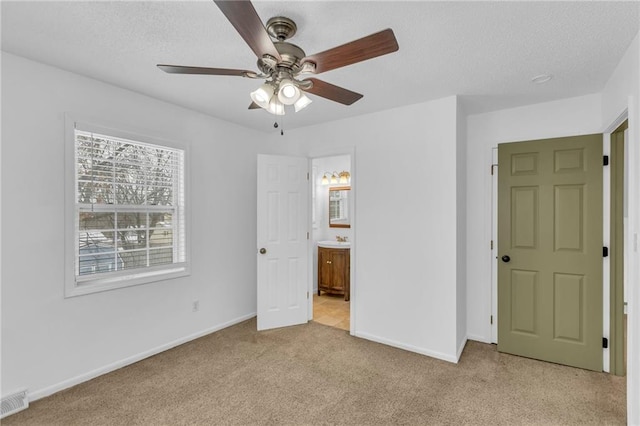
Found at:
<point>334,270</point>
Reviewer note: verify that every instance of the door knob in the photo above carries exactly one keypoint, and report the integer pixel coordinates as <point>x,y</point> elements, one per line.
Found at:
<point>263,250</point>
<point>506,258</point>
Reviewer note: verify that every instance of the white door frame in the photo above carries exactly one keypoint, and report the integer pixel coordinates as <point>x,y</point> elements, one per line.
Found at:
<point>332,152</point>
<point>606,217</point>
<point>494,245</point>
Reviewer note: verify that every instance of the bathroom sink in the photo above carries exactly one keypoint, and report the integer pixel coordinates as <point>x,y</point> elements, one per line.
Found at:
<point>334,244</point>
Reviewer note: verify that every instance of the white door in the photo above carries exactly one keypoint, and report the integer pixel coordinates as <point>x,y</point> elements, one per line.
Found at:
<point>282,241</point>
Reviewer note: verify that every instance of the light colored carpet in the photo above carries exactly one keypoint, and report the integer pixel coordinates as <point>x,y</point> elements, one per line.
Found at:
<point>314,374</point>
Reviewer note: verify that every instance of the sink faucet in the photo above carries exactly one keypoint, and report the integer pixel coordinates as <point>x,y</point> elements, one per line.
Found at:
<point>341,239</point>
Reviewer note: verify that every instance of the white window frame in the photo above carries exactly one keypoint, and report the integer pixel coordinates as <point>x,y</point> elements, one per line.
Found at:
<point>80,285</point>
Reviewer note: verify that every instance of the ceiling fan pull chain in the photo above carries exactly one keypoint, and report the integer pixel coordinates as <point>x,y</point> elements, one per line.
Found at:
<point>276,125</point>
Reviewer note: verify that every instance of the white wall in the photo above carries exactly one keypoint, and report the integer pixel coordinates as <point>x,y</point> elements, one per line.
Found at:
<point>49,342</point>
<point>633,260</point>
<point>623,82</point>
<point>405,221</point>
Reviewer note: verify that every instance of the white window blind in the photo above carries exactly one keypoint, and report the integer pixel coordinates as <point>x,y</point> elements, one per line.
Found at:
<point>129,209</point>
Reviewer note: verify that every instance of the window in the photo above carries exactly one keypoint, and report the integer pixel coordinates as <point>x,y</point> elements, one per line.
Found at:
<point>128,212</point>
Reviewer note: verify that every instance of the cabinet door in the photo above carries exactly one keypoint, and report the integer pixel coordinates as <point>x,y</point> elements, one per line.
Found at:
<point>324,268</point>
<point>339,266</point>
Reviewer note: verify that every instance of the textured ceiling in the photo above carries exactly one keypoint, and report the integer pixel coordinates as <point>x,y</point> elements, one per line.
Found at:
<point>487,52</point>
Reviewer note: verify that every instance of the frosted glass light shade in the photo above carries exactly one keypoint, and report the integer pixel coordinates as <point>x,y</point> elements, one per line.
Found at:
<point>288,93</point>
<point>275,106</point>
<point>262,95</point>
<point>302,102</point>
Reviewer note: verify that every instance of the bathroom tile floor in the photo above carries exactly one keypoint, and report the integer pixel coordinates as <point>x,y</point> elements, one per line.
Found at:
<point>331,310</point>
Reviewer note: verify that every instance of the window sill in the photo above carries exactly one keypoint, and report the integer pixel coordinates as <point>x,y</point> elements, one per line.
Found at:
<point>80,286</point>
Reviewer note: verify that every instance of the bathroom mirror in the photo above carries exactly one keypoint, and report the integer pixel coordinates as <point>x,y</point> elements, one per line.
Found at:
<point>339,207</point>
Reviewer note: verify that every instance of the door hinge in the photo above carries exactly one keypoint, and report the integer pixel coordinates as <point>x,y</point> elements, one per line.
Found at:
<point>491,320</point>
<point>491,244</point>
<point>307,295</point>
<point>307,235</point>
<point>605,342</point>
<point>307,175</point>
<point>605,251</point>
<point>605,160</point>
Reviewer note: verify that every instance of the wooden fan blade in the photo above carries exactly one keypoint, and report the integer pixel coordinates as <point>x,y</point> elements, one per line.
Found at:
<point>332,92</point>
<point>245,19</point>
<point>179,69</point>
<point>368,47</point>
<point>254,106</point>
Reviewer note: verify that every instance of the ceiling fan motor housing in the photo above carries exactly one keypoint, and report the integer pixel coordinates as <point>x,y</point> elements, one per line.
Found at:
<point>281,28</point>
<point>290,57</point>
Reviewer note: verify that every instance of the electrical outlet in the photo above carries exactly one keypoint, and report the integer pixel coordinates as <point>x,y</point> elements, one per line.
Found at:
<point>196,306</point>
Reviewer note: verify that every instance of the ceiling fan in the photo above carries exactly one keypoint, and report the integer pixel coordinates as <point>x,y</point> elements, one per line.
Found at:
<point>281,63</point>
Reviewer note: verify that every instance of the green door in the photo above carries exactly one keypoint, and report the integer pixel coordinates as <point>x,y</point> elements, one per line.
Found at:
<point>550,250</point>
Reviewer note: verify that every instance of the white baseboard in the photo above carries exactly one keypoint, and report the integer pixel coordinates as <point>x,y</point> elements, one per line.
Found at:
<point>49,390</point>
<point>410,348</point>
<point>478,338</point>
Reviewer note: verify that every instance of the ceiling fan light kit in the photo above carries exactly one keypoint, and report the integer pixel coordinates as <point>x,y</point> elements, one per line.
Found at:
<point>281,62</point>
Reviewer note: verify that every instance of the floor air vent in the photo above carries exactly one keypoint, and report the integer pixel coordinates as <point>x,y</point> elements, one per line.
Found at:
<point>14,403</point>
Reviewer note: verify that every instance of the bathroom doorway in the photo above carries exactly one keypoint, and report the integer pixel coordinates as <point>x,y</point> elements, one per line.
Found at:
<point>332,216</point>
